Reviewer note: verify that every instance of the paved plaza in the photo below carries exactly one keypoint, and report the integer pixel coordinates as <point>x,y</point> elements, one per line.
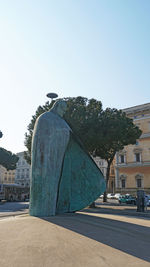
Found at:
<point>88,238</point>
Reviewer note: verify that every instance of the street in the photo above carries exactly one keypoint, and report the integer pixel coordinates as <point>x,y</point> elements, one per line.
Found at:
<point>110,207</point>
<point>13,208</point>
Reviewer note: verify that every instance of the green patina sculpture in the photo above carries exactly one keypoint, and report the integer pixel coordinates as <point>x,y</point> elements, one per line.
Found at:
<point>64,177</point>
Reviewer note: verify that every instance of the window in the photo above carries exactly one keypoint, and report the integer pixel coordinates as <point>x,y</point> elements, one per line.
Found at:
<point>137,143</point>
<point>123,183</point>
<point>139,182</point>
<point>122,159</point>
<point>123,178</point>
<point>137,157</point>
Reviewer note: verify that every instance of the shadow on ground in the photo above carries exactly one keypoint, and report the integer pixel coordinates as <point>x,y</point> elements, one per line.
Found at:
<point>13,206</point>
<point>127,237</point>
<point>124,213</point>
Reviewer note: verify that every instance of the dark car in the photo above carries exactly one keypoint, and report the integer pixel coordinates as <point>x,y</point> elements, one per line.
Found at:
<point>127,199</point>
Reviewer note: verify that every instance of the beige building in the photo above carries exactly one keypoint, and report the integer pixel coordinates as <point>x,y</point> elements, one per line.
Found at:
<point>2,172</point>
<point>7,177</point>
<point>133,163</point>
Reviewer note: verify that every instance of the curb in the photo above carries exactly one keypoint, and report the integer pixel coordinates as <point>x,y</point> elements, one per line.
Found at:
<point>121,213</point>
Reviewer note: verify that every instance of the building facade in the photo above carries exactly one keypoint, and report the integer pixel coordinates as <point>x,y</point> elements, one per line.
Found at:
<point>22,175</point>
<point>7,177</point>
<point>102,165</point>
<point>132,170</point>
<point>2,172</point>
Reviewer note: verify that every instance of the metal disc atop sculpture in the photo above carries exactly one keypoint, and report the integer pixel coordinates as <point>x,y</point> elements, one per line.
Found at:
<point>52,95</point>
<point>1,134</point>
<point>64,177</point>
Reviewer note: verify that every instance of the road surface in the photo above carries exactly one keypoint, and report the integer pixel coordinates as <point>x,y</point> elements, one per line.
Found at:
<point>13,208</point>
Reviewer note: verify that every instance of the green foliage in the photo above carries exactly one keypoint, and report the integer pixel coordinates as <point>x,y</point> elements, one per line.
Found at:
<point>7,159</point>
<point>81,115</point>
<point>116,130</point>
<point>103,132</point>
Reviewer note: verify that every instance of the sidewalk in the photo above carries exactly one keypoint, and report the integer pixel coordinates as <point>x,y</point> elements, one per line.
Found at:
<point>74,240</point>
<point>104,208</point>
<point>117,209</point>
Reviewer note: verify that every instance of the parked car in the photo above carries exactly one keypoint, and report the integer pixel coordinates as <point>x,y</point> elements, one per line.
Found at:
<point>127,199</point>
<point>148,200</point>
<point>111,196</point>
<point>117,195</point>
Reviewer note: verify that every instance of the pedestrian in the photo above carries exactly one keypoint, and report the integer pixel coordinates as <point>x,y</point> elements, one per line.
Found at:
<point>146,202</point>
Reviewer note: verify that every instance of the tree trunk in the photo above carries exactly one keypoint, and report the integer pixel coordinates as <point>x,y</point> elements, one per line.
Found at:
<point>107,179</point>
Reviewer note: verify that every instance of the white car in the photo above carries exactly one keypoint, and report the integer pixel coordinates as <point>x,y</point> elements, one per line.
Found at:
<point>117,195</point>
<point>111,196</point>
<point>148,200</point>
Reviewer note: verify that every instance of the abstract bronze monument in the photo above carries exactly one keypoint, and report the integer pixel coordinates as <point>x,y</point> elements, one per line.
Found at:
<point>64,176</point>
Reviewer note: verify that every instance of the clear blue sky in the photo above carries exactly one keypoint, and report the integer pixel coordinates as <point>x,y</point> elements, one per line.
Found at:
<point>92,48</point>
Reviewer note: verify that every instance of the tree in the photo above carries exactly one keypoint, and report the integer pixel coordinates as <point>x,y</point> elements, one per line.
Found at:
<point>7,159</point>
<point>116,131</point>
<point>82,115</point>
<point>103,132</point>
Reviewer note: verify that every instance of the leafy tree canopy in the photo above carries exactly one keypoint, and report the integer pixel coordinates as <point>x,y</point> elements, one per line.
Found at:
<point>81,115</point>
<point>116,131</point>
<point>103,132</point>
<point>7,159</point>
